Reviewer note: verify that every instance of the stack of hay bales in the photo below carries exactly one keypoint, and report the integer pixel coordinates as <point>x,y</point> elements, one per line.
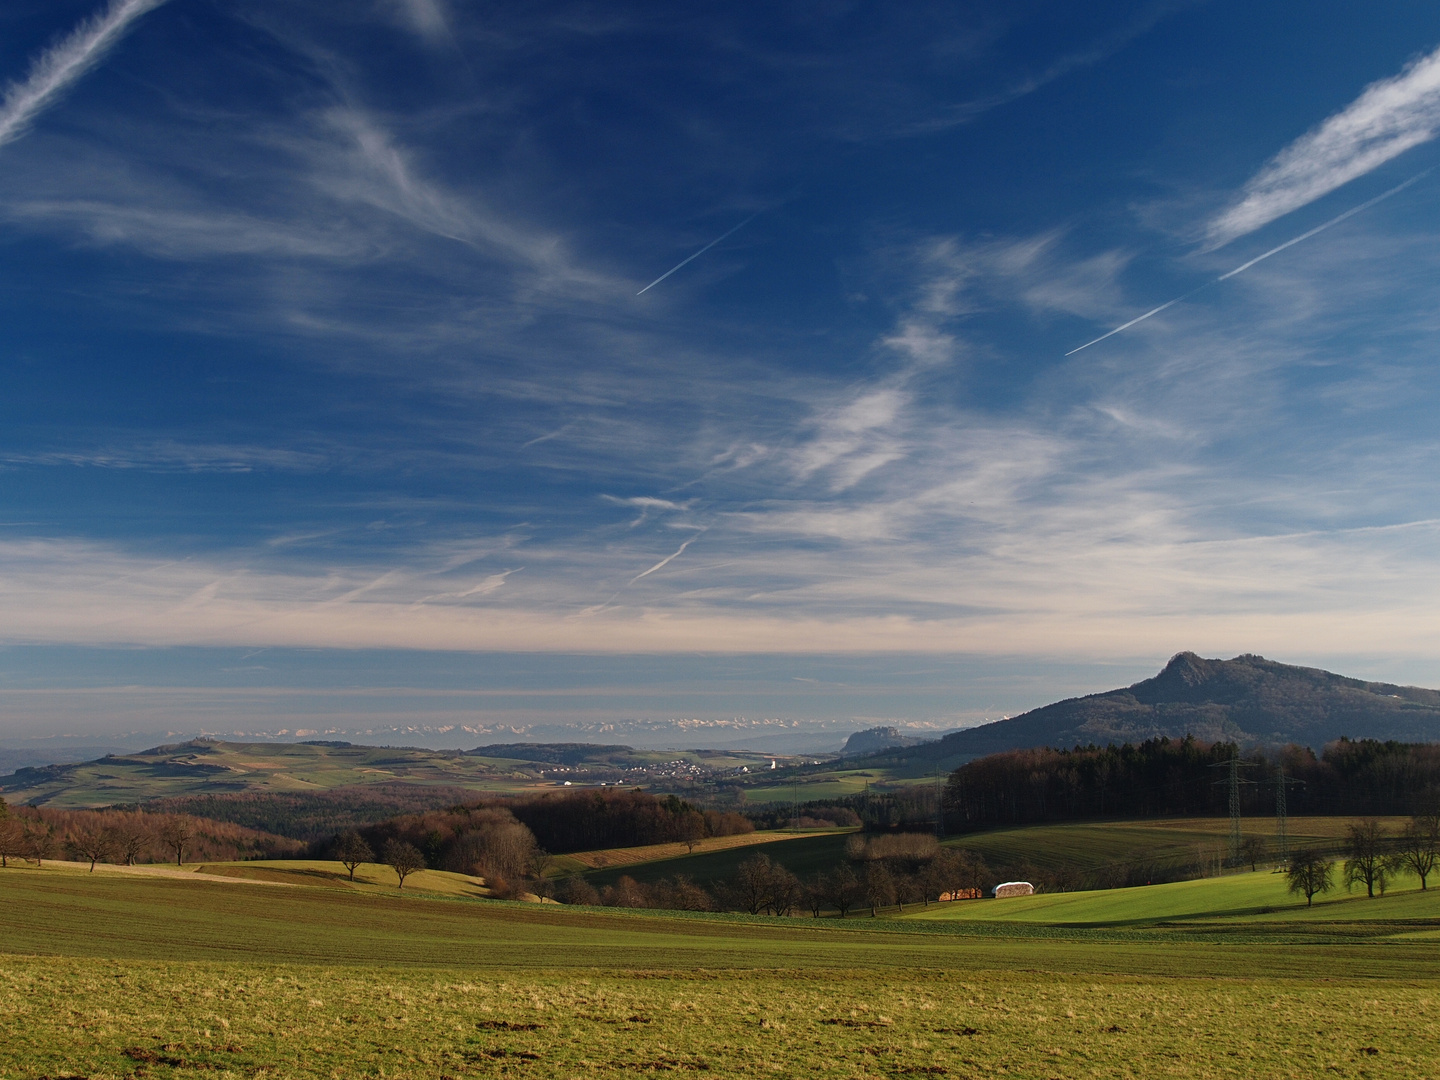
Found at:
<point>1013,888</point>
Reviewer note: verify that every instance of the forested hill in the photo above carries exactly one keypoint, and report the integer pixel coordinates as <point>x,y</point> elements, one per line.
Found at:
<point>1247,699</point>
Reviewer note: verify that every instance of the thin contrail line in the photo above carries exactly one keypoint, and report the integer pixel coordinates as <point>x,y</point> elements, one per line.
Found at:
<point>1260,258</point>
<point>1321,228</point>
<point>665,561</point>
<point>697,254</point>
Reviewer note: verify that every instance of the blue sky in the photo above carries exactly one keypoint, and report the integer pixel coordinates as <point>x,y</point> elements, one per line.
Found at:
<point>327,344</point>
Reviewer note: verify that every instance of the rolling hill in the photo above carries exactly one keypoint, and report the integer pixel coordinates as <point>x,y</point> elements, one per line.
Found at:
<point>210,767</point>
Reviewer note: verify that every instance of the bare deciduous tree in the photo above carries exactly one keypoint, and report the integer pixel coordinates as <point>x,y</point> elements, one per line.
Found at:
<point>816,891</point>
<point>92,844</point>
<point>403,858</point>
<point>907,889</point>
<point>934,878</point>
<point>692,829</point>
<point>351,851</point>
<point>879,887</point>
<point>175,833</point>
<point>784,891</point>
<point>1419,846</point>
<point>132,838</point>
<point>1366,863</point>
<point>1309,874</point>
<point>1252,850</point>
<point>843,888</point>
<point>752,882</point>
<point>38,841</point>
<point>12,840</point>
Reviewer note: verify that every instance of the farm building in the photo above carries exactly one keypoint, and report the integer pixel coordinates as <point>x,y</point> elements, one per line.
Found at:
<point>1013,888</point>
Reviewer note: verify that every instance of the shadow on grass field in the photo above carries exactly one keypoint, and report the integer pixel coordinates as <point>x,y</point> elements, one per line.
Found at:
<point>615,861</point>
<point>803,853</point>
<point>1090,845</point>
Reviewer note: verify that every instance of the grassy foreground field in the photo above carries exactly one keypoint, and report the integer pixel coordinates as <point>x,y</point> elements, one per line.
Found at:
<point>104,1019</point>
<point>168,974</point>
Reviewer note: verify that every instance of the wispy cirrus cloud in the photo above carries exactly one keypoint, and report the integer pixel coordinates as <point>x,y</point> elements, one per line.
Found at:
<point>169,456</point>
<point>647,505</point>
<point>369,166</point>
<point>1102,49</point>
<point>60,66</point>
<point>428,18</point>
<point>1390,117</point>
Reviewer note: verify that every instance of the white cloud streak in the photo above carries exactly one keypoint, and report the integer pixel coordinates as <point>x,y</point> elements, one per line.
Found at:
<point>61,66</point>
<point>1389,118</point>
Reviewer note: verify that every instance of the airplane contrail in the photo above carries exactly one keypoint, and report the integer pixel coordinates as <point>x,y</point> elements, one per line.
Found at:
<point>697,254</point>
<point>663,562</point>
<point>1260,258</point>
<point>63,63</point>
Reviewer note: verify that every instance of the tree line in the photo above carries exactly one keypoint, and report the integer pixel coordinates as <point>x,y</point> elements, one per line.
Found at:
<point>877,872</point>
<point>311,816</point>
<point>128,837</point>
<point>509,842</point>
<point>1178,778</point>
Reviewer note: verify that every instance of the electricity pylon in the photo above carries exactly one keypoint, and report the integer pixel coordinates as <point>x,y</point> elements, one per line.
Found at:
<point>1282,837</point>
<point>1234,780</point>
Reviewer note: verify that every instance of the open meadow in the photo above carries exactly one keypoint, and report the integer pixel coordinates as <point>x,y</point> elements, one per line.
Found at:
<point>180,973</point>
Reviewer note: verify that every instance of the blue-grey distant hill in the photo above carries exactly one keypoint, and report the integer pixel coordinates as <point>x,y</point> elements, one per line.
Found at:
<point>1248,699</point>
<point>875,739</point>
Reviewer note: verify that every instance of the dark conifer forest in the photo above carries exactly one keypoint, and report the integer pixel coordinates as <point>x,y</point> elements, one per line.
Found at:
<point>1188,778</point>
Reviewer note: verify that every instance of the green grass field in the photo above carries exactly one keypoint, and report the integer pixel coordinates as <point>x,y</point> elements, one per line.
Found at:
<point>831,783</point>
<point>287,970</point>
<point>1251,904</point>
